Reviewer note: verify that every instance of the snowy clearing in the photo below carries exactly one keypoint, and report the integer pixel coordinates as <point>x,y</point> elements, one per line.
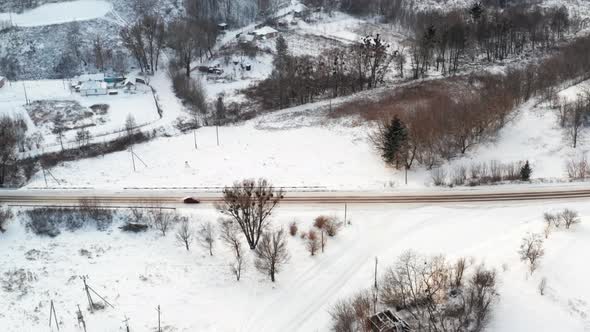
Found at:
<point>58,13</point>
<point>137,272</point>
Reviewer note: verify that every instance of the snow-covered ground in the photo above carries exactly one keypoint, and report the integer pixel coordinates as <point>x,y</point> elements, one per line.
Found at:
<point>137,272</point>
<point>59,13</point>
<point>300,147</point>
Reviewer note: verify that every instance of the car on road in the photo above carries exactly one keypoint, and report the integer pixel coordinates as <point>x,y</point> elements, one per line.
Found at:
<point>191,200</point>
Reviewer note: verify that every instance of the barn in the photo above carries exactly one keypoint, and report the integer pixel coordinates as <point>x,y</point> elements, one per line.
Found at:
<point>265,32</point>
<point>93,88</point>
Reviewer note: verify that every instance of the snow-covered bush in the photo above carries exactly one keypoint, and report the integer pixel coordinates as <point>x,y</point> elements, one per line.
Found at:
<point>49,221</point>
<point>5,216</point>
<point>531,250</point>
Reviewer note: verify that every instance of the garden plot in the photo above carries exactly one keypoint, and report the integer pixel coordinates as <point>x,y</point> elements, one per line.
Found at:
<point>51,99</point>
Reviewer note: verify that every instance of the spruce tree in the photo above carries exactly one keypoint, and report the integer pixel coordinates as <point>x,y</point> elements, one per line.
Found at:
<point>526,171</point>
<point>394,141</point>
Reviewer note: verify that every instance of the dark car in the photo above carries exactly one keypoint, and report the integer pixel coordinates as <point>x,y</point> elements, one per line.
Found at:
<point>190,200</point>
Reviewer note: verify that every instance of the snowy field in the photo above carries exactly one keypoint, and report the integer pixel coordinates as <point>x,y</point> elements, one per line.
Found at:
<point>58,13</point>
<point>196,292</point>
<point>300,147</point>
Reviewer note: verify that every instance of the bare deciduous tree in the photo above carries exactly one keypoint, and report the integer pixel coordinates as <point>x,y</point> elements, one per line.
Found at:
<point>184,234</point>
<point>130,124</point>
<point>206,236</point>
<point>250,204</point>
<point>569,218</point>
<point>531,250</point>
<point>271,253</point>
<point>229,234</point>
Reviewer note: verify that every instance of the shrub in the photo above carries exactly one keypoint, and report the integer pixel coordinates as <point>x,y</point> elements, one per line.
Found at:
<point>293,228</point>
<point>578,167</point>
<point>531,250</point>
<point>5,216</point>
<point>438,176</point>
<point>49,221</point>
<point>312,242</point>
<point>569,218</point>
<point>328,224</point>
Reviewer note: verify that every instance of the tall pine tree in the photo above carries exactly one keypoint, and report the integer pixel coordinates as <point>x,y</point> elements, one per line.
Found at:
<point>394,141</point>
<point>526,171</point>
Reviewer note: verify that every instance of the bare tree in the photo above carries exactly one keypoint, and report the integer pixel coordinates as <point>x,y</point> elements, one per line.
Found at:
<point>206,236</point>
<point>569,218</point>
<point>230,236</point>
<point>184,234</point>
<point>531,250</point>
<point>5,215</point>
<point>161,219</point>
<point>130,124</point>
<point>250,204</point>
<point>271,253</point>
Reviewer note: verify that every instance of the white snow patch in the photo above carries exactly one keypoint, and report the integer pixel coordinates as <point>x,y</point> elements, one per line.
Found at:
<point>58,13</point>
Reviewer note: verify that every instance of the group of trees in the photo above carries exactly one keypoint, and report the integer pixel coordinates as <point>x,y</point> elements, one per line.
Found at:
<point>144,39</point>
<point>442,126</point>
<point>301,79</point>
<point>247,207</point>
<point>429,293</point>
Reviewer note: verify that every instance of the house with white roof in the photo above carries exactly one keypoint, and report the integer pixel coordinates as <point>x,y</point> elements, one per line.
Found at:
<point>93,88</point>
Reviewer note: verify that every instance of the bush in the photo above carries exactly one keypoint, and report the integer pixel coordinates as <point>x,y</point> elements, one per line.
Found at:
<point>293,228</point>
<point>439,176</point>
<point>569,218</point>
<point>5,216</point>
<point>328,224</point>
<point>578,167</point>
<point>49,221</point>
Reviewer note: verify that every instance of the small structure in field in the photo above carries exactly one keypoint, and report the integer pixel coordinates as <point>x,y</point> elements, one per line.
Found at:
<point>93,88</point>
<point>222,27</point>
<point>387,321</point>
<point>2,81</point>
<point>265,32</point>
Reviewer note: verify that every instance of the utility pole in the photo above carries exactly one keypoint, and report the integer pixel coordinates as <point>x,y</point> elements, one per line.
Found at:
<point>195,137</point>
<point>81,318</point>
<point>53,315</point>
<point>159,326</point>
<point>44,176</point>
<point>217,132</point>
<point>406,174</point>
<point>90,302</point>
<point>26,97</point>
<point>126,321</point>
<point>345,212</point>
<point>132,158</point>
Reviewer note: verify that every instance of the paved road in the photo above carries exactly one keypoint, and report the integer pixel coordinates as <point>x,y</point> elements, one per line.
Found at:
<point>175,197</point>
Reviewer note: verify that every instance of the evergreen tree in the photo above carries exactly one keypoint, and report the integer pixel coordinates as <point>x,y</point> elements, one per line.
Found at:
<point>526,171</point>
<point>395,139</point>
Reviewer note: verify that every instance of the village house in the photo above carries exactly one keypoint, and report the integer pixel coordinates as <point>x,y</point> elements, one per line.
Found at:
<point>93,88</point>
<point>265,33</point>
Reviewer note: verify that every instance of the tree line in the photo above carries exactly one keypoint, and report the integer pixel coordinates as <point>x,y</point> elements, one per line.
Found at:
<point>445,124</point>
<point>297,80</point>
